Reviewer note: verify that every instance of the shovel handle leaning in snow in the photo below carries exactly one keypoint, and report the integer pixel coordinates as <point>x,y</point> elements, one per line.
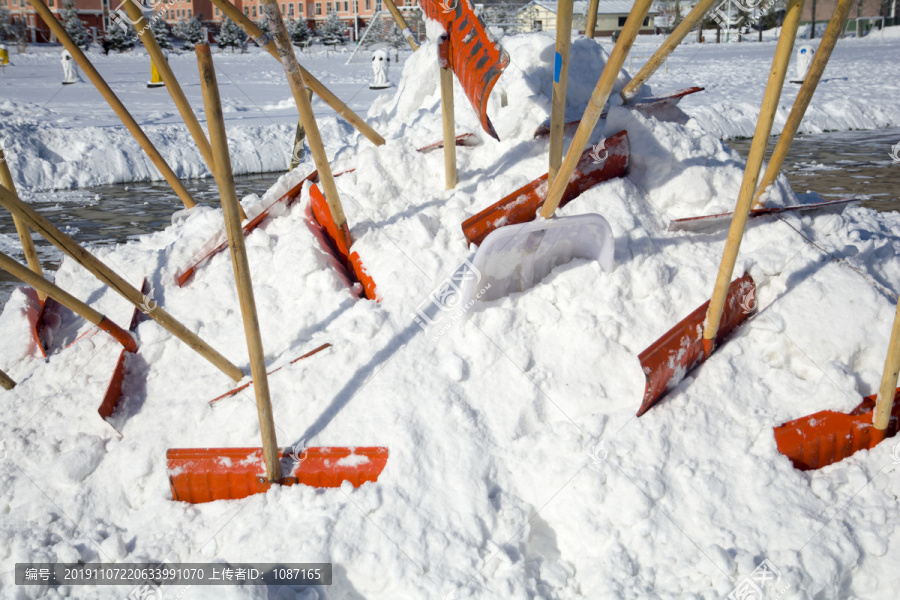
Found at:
<point>401,23</point>
<point>560,80</point>
<point>595,106</point>
<point>668,46</point>
<point>31,256</point>
<point>6,382</point>
<point>591,25</point>
<point>767,112</point>
<point>804,96</point>
<point>66,299</point>
<point>219,141</point>
<point>102,272</point>
<point>448,117</point>
<point>251,29</point>
<point>165,71</point>
<point>59,31</point>
<point>298,89</point>
<point>887,390</point>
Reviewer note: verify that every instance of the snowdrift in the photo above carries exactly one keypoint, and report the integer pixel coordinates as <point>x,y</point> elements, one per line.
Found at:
<point>517,467</point>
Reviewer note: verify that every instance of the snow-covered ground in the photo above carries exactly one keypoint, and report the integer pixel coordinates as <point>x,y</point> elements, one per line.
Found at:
<point>517,467</point>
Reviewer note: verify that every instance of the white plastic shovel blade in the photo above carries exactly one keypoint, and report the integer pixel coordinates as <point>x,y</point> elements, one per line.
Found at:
<point>515,257</point>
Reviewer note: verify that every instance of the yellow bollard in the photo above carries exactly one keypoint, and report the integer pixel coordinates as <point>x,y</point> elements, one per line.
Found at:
<point>155,78</point>
<point>4,55</point>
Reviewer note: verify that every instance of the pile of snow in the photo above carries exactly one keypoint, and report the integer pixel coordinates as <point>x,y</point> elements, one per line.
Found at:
<point>517,468</point>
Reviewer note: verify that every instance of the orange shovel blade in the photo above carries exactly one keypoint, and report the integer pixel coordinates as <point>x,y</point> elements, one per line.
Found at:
<point>337,242</point>
<point>522,205</point>
<point>827,437</point>
<point>670,358</point>
<point>199,475</point>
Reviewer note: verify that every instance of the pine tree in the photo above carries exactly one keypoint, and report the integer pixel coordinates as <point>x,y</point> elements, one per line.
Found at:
<point>74,27</point>
<point>160,31</point>
<point>190,32</point>
<point>333,30</point>
<point>6,28</point>
<point>263,24</point>
<point>121,39</point>
<point>395,37</point>
<point>300,32</point>
<point>231,36</point>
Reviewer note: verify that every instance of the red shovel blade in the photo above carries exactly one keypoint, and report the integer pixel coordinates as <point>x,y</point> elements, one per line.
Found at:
<point>827,437</point>
<point>670,358</point>
<point>337,242</point>
<point>522,205</point>
<point>198,475</point>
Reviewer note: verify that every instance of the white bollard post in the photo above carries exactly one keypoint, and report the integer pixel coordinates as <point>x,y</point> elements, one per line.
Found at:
<point>380,62</point>
<point>70,69</point>
<point>804,59</point>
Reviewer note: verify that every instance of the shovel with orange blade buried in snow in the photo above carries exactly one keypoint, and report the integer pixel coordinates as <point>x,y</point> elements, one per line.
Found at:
<point>207,474</point>
<point>515,250</point>
<point>826,437</point>
<point>666,362</point>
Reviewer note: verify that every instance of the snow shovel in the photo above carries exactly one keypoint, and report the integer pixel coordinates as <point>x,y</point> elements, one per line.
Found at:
<point>826,437</point>
<point>595,166</point>
<point>207,474</point>
<point>666,362</point>
<point>31,256</point>
<point>516,257</point>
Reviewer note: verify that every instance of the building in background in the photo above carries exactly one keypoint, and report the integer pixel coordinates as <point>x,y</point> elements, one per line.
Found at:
<point>540,15</point>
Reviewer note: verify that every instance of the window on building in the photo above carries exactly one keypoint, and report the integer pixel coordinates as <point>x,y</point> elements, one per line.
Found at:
<point>282,10</point>
<point>346,7</point>
<point>328,7</point>
<point>189,13</point>
<point>622,21</point>
<point>246,11</point>
<point>646,21</point>
<point>217,11</point>
<point>368,5</point>
<point>318,8</point>
<point>300,8</point>
<point>291,9</point>
<point>50,3</point>
<point>253,10</point>
<point>377,5</point>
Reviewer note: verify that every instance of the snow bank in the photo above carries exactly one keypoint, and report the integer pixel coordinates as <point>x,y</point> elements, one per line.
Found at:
<point>517,467</point>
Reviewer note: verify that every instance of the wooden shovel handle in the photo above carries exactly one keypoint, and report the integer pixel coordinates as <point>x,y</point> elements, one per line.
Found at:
<point>447,115</point>
<point>560,81</point>
<point>401,23</point>
<point>225,180</point>
<point>31,255</point>
<point>804,96</point>
<point>667,47</point>
<point>595,106</point>
<point>751,172</point>
<point>591,24</point>
<point>885,402</point>
<point>6,382</point>
<point>59,31</point>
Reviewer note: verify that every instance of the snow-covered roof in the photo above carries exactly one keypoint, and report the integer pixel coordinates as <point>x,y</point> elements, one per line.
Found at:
<point>580,7</point>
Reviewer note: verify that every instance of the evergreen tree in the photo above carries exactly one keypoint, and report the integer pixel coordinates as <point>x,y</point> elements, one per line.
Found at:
<point>395,37</point>
<point>190,32</point>
<point>263,24</point>
<point>121,39</point>
<point>300,32</point>
<point>6,28</point>
<point>74,27</point>
<point>333,30</point>
<point>160,31</point>
<point>231,36</point>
